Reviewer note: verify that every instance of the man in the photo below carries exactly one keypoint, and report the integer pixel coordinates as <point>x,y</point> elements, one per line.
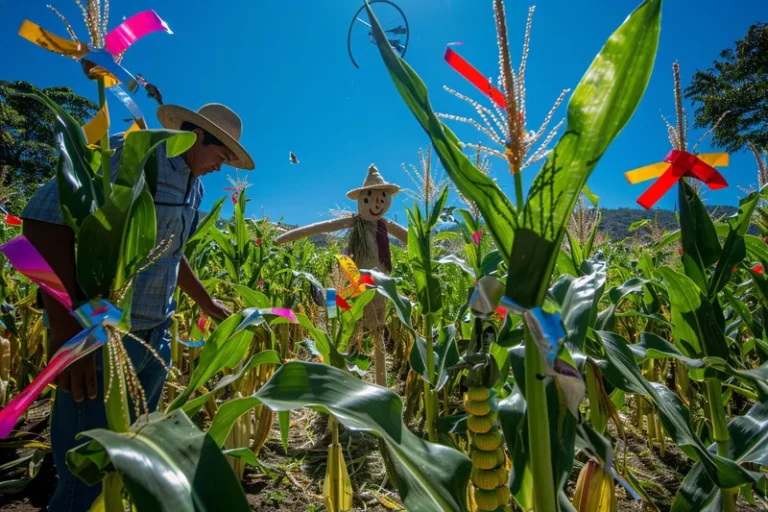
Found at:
<point>177,199</point>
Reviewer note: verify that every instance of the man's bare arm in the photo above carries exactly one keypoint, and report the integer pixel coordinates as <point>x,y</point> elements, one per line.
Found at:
<point>56,243</point>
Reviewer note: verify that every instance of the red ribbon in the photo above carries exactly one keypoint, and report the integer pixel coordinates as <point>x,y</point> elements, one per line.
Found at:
<point>12,220</point>
<point>682,164</point>
<point>476,78</point>
<point>342,303</point>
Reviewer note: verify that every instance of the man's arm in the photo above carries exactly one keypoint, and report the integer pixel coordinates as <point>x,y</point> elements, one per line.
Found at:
<point>56,243</point>
<point>191,285</point>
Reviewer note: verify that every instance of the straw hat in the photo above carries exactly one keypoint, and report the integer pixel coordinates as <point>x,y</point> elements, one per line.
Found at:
<point>373,181</point>
<point>216,119</point>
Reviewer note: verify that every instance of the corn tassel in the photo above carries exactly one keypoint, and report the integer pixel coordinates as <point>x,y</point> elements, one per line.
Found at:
<point>489,472</point>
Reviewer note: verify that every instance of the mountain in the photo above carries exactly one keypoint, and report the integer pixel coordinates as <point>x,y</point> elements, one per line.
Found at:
<point>616,221</point>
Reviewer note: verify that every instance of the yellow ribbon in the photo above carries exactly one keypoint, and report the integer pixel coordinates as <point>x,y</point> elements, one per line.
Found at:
<point>44,39</point>
<point>97,127</point>
<point>353,274</point>
<point>650,172</point>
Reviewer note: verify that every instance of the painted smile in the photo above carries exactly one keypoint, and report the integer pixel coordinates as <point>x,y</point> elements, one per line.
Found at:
<point>375,214</point>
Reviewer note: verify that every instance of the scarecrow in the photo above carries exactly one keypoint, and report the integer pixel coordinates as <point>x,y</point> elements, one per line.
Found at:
<point>368,246</point>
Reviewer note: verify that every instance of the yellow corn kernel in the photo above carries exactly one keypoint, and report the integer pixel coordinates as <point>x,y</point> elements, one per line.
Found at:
<point>503,495</point>
<point>502,475</point>
<point>486,500</point>
<point>488,441</point>
<point>478,393</point>
<point>477,408</point>
<point>485,479</point>
<point>486,460</point>
<point>481,424</point>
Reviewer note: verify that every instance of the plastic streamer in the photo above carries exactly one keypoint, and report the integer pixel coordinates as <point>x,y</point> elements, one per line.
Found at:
<point>97,127</point>
<point>474,77</point>
<point>100,63</point>
<point>126,100</point>
<point>133,29</point>
<point>546,330</point>
<point>51,42</point>
<point>676,165</point>
<point>30,263</point>
<point>356,286</point>
<point>107,67</point>
<point>93,316</point>
<point>330,303</point>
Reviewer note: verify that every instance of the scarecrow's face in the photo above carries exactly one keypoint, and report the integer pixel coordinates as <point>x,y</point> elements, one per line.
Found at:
<point>373,204</point>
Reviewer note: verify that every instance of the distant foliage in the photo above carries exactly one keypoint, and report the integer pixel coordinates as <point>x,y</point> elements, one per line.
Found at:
<point>738,84</point>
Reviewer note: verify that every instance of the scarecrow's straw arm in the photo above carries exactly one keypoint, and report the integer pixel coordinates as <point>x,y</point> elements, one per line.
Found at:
<point>327,226</point>
<point>397,231</point>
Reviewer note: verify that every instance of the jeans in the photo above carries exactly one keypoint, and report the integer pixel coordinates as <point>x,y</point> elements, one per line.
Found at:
<point>69,418</point>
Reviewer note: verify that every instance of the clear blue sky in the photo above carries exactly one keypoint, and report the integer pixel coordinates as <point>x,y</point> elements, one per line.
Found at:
<point>283,66</point>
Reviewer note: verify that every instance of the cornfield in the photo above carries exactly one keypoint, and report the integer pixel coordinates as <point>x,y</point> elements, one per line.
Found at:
<point>525,353</point>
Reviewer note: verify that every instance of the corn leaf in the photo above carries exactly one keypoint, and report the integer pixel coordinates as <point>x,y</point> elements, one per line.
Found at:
<point>734,248</point>
<point>622,371</point>
<point>79,186</point>
<point>337,487</point>
<point>694,324</point>
<point>446,355</point>
<point>266,357</point>
<point>601,105</point>
<point>428,476</point>
<point>182,457</point>
<point>105,250</point>
<point>606,318</point>
<point>748,443</point>
<point>428,288</point>
<point>221,350</point>
<point>209,222</point>
<point>580,304</point>
<point>701,247</point>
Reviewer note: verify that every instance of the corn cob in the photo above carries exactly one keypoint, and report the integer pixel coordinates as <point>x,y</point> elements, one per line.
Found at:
<point>489,473</point>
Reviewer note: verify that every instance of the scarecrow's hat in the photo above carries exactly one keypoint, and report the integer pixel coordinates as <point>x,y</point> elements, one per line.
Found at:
<point>373,181</point>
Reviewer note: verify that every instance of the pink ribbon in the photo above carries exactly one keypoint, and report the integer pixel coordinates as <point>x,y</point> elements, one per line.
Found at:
<point>25,258</point>
<point>133,29</point>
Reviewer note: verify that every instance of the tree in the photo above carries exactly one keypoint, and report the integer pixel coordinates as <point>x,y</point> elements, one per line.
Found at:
<point>28,149</point>
<point>738,83</point>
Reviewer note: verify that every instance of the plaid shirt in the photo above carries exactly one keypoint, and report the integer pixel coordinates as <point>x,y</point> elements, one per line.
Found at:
<point>177,201</point>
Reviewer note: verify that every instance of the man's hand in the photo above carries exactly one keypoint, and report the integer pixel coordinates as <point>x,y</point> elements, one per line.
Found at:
<point>215,309</point>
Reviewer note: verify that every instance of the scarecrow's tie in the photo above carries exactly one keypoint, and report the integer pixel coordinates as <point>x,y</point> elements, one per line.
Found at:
<point>676,165</point>
<point>100,63</point>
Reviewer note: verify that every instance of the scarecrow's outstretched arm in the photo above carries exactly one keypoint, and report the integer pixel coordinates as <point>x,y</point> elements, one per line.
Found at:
<point>327,226</point>
<point>397,231</point>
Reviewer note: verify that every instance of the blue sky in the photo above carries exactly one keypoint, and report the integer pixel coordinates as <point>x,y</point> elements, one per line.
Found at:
<point>284,67</point>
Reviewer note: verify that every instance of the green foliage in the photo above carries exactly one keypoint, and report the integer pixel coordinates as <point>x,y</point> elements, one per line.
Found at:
<point>27,135</point>
<point>736,83</point>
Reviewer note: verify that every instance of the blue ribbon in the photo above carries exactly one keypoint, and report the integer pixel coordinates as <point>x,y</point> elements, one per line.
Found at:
<point>330,303</point>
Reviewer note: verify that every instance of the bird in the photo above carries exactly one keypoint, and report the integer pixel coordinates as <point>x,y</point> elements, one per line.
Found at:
<point>293,158</point>
<point>398,30</point>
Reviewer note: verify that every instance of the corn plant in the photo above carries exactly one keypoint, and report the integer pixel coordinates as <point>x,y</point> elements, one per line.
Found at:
<point>529,236</point>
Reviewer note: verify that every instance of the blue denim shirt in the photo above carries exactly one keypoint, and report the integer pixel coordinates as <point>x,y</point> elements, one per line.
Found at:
<point>177,200</point>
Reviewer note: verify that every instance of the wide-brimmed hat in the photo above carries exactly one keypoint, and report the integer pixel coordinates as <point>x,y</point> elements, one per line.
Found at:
<point>216,119</point>
<point>373,181</point>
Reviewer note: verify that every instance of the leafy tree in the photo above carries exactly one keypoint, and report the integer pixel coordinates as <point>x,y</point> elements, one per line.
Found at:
<point>738,83</point>
<point>28,148</point>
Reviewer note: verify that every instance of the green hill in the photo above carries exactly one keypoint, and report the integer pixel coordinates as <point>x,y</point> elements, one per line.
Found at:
<point>616,221</point>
